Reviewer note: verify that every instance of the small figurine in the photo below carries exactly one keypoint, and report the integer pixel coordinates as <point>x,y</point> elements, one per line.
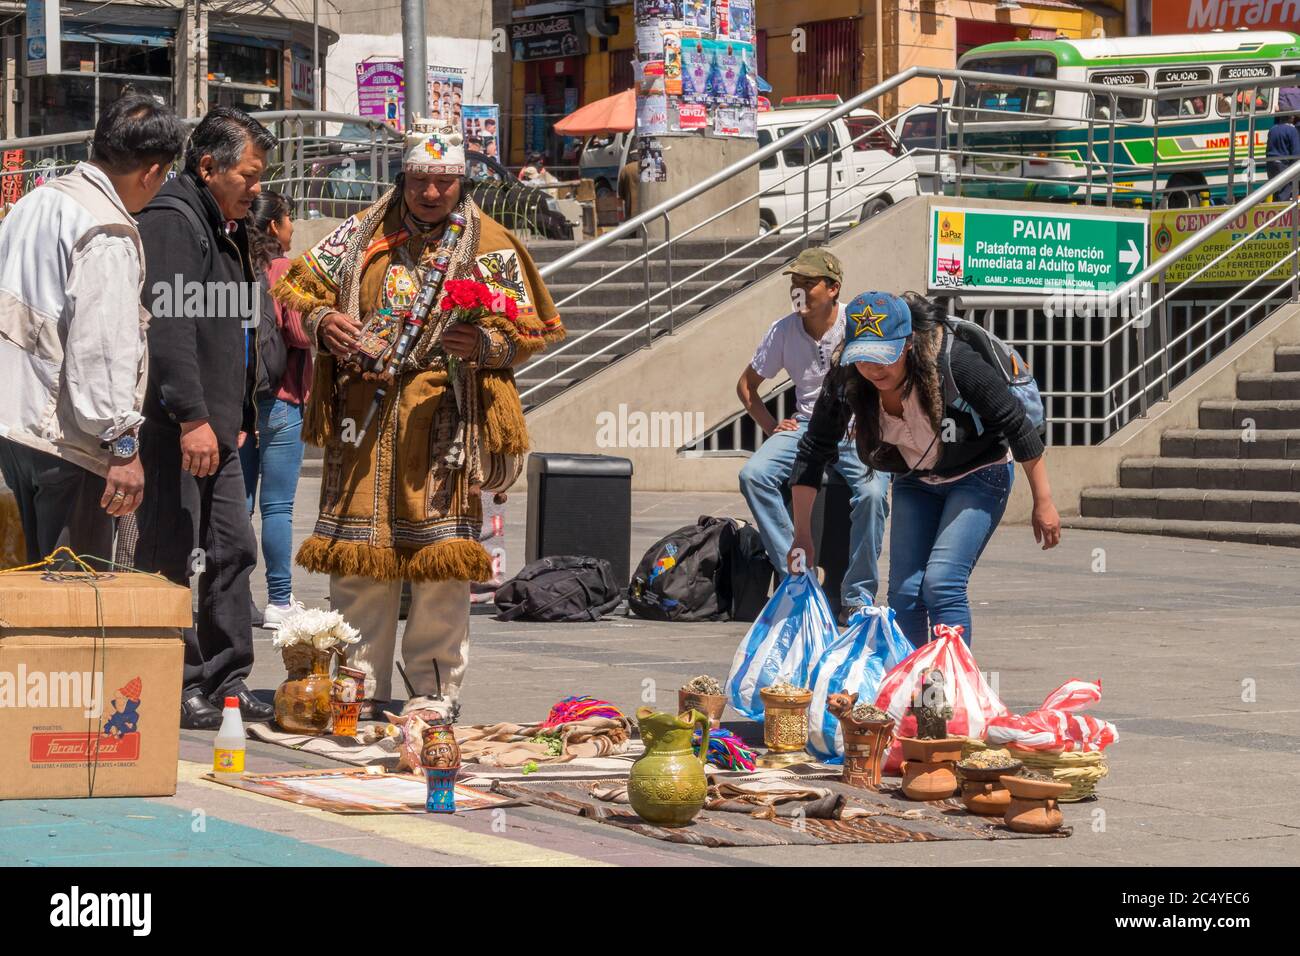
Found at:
<point>930,707</point>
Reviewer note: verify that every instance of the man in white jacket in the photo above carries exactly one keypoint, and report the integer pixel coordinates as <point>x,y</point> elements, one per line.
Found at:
<point>72,334</point>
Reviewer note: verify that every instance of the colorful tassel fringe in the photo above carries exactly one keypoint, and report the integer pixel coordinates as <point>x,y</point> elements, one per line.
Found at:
<point>571,709</point>
<point>726,750</point>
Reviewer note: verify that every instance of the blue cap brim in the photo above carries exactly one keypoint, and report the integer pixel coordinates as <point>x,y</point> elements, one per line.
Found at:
<point>878,351</point>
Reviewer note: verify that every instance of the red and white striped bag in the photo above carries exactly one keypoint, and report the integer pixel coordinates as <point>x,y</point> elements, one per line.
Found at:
<point>973,702</point>
<point>1056,726</point>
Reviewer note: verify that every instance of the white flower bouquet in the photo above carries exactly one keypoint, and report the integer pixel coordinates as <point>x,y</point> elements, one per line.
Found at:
<point>316,629</point>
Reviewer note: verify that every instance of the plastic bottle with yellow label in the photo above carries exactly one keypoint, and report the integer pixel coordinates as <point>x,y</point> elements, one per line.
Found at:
<point>228,747</point>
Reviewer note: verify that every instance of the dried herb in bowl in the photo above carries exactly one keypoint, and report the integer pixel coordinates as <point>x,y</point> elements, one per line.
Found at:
<point>865,711</point>
<point>703,684</point>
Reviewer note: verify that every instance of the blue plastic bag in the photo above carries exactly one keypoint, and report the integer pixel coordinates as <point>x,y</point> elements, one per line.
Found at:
<point>783,644</point>
<point>855,662</point>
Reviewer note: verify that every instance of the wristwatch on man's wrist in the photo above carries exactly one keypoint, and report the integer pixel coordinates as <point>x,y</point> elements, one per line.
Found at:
<point>124,446</point>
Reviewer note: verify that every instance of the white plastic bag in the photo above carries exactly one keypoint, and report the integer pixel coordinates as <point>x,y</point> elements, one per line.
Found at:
<point>783,644</point>
<point>856,661</point>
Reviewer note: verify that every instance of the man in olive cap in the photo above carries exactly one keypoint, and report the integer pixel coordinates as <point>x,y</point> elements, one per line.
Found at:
<point>803,345</point>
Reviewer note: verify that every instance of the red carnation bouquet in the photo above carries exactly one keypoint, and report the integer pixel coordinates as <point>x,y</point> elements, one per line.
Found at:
<point>471,301</point>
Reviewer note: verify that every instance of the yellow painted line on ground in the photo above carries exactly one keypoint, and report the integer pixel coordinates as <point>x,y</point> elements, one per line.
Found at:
<point>422,831</point>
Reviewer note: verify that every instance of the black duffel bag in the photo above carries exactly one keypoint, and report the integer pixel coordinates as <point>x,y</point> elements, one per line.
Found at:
<point>568,589</point>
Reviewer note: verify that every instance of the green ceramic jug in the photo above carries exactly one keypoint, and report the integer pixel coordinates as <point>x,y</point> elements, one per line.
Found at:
<point>667,786</point>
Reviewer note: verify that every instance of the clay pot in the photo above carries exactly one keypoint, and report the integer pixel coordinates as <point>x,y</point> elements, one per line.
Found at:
<point>943,750</point>
<point>865,742</point>
<point>711,705</point>
<point>303,701</point>
<point>982,790</point>
<point>1032,808</point>
<point>928,781</point>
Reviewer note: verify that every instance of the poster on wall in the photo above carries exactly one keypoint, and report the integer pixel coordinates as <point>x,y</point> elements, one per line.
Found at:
<point>695,68</point>
<point>698,13</point>
<point>672,39</point>
<point>447,94</point>
<point>652,114</point>
<point>381,91</point>
<point>740,21</point>
<point>651,160</point>
<point>483,129</point>
<point>44,35</point>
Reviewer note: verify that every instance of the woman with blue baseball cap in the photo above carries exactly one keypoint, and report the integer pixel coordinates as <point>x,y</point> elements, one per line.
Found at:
<point>952,463</point>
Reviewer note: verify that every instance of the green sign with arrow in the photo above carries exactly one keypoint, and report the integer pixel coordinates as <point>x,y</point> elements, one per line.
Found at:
<point>979,250</point>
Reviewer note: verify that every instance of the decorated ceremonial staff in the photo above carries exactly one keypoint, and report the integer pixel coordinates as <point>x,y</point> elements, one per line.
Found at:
<point>419,308</point>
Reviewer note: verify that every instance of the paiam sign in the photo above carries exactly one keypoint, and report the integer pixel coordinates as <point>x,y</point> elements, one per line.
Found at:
<point>988,250</point>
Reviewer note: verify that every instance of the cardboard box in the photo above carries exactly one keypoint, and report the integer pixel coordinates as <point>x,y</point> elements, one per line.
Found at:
<point>90,684</point>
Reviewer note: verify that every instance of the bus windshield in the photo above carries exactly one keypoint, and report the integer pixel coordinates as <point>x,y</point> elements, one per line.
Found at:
<point>994,102</point>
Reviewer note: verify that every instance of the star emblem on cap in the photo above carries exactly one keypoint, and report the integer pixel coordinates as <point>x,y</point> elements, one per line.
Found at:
<point>867,319</point>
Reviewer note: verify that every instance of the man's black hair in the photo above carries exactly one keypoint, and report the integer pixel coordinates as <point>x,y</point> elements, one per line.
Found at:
<point>137,131</point>
<point>222,134</point>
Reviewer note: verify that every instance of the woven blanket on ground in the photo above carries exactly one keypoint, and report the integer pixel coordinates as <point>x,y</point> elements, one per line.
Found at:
<point>766,795</point>
<point>590,750</point>
<point>514,745</point>
<point>885,817</point>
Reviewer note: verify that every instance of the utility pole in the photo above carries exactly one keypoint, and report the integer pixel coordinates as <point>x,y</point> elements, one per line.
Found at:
<point>315,54</point>
<point>416,71</point>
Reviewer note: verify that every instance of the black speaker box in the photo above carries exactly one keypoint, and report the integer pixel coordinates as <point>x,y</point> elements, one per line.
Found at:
<point>580,505</point>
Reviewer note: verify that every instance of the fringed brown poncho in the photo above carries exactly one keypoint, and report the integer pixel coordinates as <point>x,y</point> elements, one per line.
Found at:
<point>390,507</point>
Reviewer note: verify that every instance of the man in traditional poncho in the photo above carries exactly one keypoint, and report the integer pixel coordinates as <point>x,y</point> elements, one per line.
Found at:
<point>404,502</point>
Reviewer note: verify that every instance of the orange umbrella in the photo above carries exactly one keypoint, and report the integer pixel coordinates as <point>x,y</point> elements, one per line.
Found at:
<point>613,114</point>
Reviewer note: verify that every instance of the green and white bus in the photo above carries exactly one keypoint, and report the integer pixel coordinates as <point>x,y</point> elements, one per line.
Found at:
<point>1044,133</point>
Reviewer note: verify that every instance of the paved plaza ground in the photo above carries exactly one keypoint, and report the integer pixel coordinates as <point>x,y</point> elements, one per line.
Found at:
<point>1195,644</point>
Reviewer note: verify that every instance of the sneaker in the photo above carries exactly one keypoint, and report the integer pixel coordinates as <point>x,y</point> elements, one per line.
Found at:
<point>275,613</point>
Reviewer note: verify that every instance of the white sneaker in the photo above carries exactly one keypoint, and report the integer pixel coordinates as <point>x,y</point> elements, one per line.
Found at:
<point>275,614</point>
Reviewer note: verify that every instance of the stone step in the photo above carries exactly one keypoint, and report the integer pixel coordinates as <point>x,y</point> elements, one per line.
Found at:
<point>1230,443</point>
<point>703,270</point>
<point>1261,386</point>
<point>1210,474</point>
<point>1263,414</point>
<point>1192,504</point>
<point>583,320</point>
<point>1244,532</point>
<point>1286,358</point>
<point>626,293</point>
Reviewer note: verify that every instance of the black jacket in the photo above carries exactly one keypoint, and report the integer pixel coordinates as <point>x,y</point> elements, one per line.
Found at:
<point>196,355</point>
<point>980,385</point>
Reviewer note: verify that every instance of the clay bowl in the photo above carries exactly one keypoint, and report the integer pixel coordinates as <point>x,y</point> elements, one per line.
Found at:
<point>932,751</point>
<point>988,774</point>
<point>1023,788</point>
<point>711,705</point>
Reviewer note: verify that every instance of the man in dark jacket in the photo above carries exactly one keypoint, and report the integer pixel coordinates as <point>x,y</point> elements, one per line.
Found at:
<point>1283,149</point>
<point>201,291</point>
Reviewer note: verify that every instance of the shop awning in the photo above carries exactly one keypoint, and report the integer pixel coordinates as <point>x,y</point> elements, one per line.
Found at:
<point>613,114</point>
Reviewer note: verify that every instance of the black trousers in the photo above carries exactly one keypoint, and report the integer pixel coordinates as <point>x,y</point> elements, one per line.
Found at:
<point>58,502</point>
<point>189,524</point>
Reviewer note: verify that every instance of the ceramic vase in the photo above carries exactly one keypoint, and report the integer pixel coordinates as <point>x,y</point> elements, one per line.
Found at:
<point>929,767</point>
<point>303,701</point>
<point>441,790</point>
<point>667,786</point>
<point>982,790</point>
<point>865,742</point>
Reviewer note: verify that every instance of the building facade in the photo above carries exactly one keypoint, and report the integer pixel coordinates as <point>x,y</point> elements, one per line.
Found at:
<point>191,56</point>
<point>810,46</point>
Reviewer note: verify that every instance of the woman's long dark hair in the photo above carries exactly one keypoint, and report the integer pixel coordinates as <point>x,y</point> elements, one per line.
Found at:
<point>922,375</point>
<point>268,209</point>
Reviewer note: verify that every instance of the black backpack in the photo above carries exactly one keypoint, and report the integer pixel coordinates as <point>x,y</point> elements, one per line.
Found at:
<point>1004,358</point>
<point>272,352</point>
<point>686,575</point>
<point>561,589</point>
<point>751,574</point>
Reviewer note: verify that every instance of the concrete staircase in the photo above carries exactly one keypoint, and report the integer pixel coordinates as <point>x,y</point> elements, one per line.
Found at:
<point>715,284</point>
<point>1220,481</point>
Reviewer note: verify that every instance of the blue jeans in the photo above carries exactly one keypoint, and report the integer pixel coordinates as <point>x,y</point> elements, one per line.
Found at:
<point>768,471</point>
<point>938,534</point>
<point>274,458</point>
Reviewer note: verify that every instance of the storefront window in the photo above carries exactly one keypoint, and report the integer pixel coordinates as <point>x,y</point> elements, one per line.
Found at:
<point>245,65</point>
<point>97,71</point>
